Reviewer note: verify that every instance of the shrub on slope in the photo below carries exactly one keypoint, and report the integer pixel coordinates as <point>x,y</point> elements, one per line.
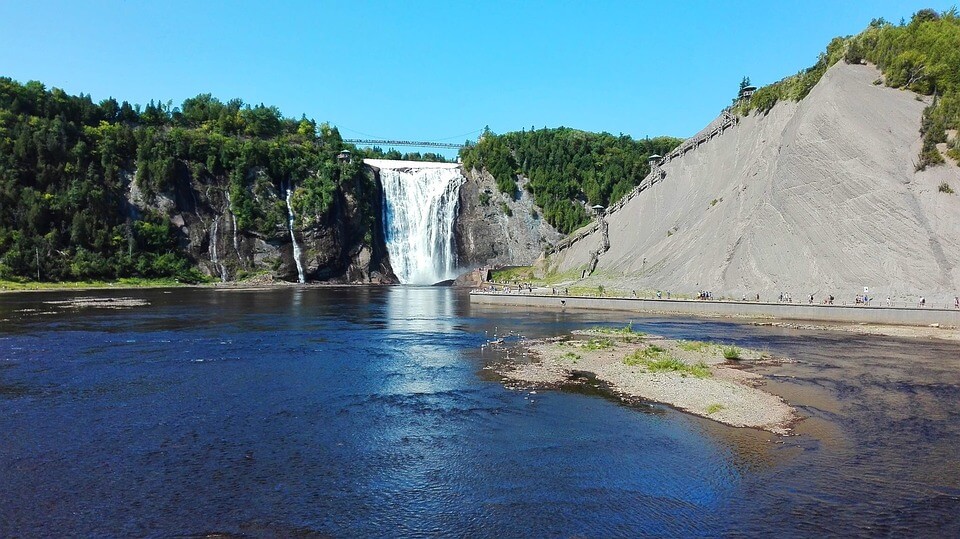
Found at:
<point>922,56</point>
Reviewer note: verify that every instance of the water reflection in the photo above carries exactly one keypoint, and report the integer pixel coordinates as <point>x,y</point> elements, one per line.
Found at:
<point>421,309</point>
<point>359,412</point>
<point>417,319</point>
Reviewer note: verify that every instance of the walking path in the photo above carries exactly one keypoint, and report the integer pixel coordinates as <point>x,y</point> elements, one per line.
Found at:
<point>903,316</point>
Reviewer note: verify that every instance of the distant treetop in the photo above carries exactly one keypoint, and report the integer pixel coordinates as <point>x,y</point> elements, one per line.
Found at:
<point>567,169</point>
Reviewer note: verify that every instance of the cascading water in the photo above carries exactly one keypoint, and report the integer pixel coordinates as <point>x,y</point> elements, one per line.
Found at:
<point>420,205</point>
<point>214,253</point>
<point>293,237</point>
<point>233,221</point>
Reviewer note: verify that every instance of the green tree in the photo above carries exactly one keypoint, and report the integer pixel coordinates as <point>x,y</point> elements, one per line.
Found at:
<point>565,169</point>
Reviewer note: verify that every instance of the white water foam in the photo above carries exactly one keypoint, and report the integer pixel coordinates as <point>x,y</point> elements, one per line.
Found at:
<point>420,205</point>
<point>297,253</point>
<point>233,221</point>
<point>214,254</point>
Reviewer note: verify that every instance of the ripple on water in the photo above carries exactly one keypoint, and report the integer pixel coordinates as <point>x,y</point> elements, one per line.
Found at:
<point>204,406</point>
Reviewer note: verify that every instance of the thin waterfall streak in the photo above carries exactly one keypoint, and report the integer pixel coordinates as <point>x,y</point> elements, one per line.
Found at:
<point>213,242</point>
<point>301,278</point>
<point>233,223</point>
<point>214,253</point>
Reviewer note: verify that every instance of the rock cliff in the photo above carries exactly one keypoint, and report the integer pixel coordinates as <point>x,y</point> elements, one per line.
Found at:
<point>343,246</point>
<point>496,229</point>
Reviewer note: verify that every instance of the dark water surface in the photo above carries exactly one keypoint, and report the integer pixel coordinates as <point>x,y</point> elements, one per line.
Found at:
<point>368,412</point>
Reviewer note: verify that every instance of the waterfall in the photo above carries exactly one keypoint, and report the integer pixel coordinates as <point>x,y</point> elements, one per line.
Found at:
<point>293,237</point>
<point>214,256</point>
<point>420,205</point>
<point>233,221</point>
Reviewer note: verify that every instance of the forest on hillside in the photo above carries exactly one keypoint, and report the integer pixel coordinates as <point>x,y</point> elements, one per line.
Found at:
<point>566,168</point>
<point>376,152</point>
<point>65,166</point>
<point>922,55</point>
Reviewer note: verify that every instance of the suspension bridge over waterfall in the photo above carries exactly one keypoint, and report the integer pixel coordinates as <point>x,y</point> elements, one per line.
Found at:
<point>412,143</point>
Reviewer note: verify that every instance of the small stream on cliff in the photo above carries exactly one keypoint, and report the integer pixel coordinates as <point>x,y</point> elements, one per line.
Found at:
<point>297,252</point>
<point>364,411</point>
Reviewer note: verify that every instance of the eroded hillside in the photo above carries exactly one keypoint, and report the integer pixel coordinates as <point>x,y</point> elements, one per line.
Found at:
<point>814,197</point>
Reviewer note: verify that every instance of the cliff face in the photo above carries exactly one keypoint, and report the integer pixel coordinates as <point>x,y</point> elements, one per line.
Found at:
<point>347,244</point>
<point>818,197</point>
<point>343,246</point>
<point>495,229</point>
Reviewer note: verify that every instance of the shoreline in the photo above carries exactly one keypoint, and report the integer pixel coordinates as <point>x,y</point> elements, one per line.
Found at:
<point>690,376</point>
<point>880,330</point>
<point>875,320</point>
<point>232,285</point>
<point>716,309</point>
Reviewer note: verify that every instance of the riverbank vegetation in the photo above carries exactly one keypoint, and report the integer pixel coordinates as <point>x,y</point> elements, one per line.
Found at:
<point>626,332</point>
<point>922,56</point>
<point>568,170</point>
<point>731,352</point>
<point>129,282</point>
<point>694,346</point>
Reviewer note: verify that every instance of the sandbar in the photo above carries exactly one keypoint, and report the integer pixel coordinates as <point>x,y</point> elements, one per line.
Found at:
<point>691,376</point>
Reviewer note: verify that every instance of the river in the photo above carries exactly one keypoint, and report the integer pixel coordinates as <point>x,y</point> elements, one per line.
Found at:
<point>314,412</point>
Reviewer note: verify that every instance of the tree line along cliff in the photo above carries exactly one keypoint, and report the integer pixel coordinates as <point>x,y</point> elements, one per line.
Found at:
<point>108,190</point>
<point>567,169</point>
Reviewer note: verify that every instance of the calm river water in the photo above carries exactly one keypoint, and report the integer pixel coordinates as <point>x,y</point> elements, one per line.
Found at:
<point>344,412</point>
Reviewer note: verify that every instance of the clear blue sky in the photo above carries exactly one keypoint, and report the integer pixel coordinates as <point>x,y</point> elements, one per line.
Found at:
<point>433,71</point>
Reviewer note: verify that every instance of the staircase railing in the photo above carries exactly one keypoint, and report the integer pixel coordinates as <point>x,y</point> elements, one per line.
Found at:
<point>656,175</point>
